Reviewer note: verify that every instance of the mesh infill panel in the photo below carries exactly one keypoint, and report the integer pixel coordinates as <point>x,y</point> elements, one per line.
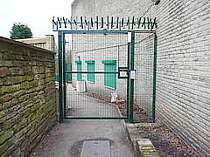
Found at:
<point>95,59</point>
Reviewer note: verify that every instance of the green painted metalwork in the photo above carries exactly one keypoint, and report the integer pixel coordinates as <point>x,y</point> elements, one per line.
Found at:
<point>116,32</point>
<point>79,70</point>
<point>69,117</point>
<point>96,72</point>
<point>110,79</point>
<point>154,78</point>
<point>64,74</point>
<point>69,75</point>
<point>95,32</point>
<point>90,62</point>
<point>109,61</point>
<point>91,71</point>
<point>109,23</point>
<point>128,81</point>
<point>131,81</point>
<point>57,77</point>
<point>61,93</point>
<point>110,72</point>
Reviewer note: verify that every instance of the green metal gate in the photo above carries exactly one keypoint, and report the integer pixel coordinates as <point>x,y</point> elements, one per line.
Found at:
<point>102,72</point>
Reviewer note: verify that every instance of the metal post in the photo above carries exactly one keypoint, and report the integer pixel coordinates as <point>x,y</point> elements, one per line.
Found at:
<point>131,81</point>
<point>154,78</point>
<point>128,82</point>
<point>61,114</point>
<point>64,73</point>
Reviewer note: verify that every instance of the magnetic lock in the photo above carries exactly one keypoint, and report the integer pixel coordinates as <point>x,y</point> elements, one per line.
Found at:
<point>133,74</point>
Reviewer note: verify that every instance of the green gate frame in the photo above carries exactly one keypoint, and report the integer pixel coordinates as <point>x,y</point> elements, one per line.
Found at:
<point>130,82</point>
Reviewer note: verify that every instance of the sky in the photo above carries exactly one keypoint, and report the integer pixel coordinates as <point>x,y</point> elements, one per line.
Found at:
<point>37,14</point>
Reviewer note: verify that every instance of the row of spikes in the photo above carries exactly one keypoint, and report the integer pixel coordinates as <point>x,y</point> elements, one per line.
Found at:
<point>140,22</point>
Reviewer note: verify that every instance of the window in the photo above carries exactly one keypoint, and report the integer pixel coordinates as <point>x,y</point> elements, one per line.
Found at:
<point>91,68</point>
<point>79,70</point>
<point>110,78</point>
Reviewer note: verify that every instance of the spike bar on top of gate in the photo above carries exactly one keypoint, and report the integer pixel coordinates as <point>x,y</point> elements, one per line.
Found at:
<point>101,23</point>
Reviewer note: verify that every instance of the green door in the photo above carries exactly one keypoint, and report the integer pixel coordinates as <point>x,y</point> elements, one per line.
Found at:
<point>91,71</point>
<point>79,70</point>
<point>110,78</point>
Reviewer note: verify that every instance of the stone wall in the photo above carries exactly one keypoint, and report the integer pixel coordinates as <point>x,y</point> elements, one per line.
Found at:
<point>183,85</point>
<point>27,96</point>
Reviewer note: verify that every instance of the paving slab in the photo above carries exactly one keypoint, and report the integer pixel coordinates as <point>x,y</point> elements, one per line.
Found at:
<point>96,148</point>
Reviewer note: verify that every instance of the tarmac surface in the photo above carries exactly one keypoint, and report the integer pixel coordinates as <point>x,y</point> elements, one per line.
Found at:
<point>87,137</point>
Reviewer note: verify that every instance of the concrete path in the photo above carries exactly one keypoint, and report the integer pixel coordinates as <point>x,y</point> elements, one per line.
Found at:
<point>86,138</point>
<point>82,105</point>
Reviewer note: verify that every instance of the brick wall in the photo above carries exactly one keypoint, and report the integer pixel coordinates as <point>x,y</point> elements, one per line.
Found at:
<point>183,77</point>
<point>183,85</point>
<point>27,96</point>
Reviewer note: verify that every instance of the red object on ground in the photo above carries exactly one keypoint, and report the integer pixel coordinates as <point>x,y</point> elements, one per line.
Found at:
<point>120,101</point>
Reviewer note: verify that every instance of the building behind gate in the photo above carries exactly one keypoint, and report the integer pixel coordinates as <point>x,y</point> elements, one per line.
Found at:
<point>183,77</point>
